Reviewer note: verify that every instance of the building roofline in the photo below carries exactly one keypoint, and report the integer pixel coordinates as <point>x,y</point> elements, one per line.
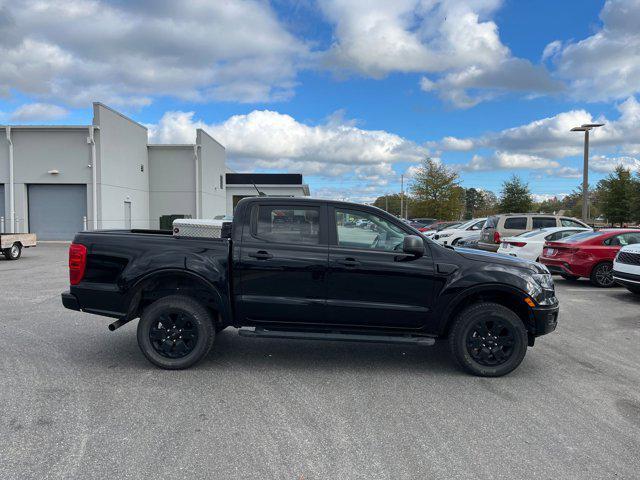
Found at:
<point>47,127</point>
<point>207,134</point>
<point>100,104</point>
<point>171,145</point>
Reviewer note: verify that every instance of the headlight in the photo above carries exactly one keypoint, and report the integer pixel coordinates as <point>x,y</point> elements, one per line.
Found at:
<point>544,280</point>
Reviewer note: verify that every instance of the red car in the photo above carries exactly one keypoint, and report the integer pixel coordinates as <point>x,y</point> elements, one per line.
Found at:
<point>588,254</point>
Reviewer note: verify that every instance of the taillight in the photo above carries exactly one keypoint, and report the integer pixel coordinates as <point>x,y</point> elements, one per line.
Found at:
<point>77,262</point>
<point>423,229</point>
<point>518,244</point>
<point>496,237</point>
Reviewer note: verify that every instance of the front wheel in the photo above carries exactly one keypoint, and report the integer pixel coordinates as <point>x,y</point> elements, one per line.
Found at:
<point>602,275</point>
<point>488,340</point>
<point>13,252</point>
<point>175,332</point>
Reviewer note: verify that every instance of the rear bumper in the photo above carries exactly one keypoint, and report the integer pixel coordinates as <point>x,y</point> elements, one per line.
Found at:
<point>70,301</point>
<point>488,247</point>
<point>626,279</point>
<point>559,266</point>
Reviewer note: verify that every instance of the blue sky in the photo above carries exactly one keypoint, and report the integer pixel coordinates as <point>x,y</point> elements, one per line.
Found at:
<point>352,94</point>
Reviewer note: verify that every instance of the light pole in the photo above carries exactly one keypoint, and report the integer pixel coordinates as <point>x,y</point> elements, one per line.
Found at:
<point>586,127</point>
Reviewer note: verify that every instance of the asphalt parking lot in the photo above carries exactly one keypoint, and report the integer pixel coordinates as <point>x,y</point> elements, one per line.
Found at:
<point>77,401</point>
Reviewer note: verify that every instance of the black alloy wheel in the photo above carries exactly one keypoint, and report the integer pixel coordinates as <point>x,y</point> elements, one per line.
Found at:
<point>490,342</point>
<point>602,275</point>
<point>174,334</point>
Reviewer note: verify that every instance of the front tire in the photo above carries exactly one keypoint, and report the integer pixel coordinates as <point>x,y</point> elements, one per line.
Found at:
<point>488,340</point>
<point>13,252</point>
<point>602,275</point>
<point>175,332</point>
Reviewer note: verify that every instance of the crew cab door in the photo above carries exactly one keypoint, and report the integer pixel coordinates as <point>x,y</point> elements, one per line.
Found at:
<point>371,283</point>
<point>281,272</point>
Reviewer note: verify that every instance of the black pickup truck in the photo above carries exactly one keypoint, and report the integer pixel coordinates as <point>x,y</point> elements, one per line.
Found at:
<point>300,268</point>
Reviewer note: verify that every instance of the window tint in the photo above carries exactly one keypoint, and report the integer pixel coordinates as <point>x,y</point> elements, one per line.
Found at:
<point>579,237</point>
<point>623,239</point>
<point>543,222</point>
<point>567,222</point>
<point>515,223</point>
<point>282,224</point>
<point>560,235</point>
<point>368,231</point>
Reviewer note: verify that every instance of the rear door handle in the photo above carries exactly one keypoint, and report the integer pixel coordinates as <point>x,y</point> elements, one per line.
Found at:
<point>350,262</point>
<point>261,255</point>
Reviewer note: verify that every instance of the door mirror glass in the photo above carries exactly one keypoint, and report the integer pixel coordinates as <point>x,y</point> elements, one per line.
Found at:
<point>413,245</point>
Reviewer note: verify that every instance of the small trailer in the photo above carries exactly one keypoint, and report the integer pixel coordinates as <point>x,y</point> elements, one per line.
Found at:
<point>11,244</point>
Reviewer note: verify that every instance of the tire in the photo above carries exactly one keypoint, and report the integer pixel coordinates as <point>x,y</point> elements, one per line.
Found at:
<point>503,329</point>
<point>571,278</point>
<point>635,290</point>
<point>14,252</point>
<point>601,275</point>
<point>185,337</point>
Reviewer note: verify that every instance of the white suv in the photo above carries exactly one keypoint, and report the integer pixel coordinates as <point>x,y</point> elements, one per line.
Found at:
<point>451,236</point>
<point>626,267</point>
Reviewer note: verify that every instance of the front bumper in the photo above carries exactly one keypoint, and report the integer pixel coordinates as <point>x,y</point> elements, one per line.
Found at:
<point>70,301</point>
<point>545,318</point>
<point>626,279</point>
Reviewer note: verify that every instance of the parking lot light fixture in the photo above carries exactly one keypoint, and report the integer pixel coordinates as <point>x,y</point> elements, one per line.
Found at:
<point>586,127</point>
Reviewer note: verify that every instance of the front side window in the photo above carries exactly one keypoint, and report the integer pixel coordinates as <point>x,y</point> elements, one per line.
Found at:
<point>515,223</point>
<point>478,225</point>
<point>623,239</point>
<point>363,230</point>
<point>288,224</point>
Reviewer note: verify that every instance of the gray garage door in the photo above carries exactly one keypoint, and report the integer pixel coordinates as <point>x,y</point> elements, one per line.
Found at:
<point>2,212</point>
<point>56,211</point>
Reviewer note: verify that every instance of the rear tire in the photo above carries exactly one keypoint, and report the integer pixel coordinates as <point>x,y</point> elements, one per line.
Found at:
<point>488,340</point>
<point>14,252</point>
<point>571,278</point>
<point>602,275</point>
<point>175,332</point>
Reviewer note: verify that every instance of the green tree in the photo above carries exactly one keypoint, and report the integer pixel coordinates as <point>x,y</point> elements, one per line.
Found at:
<point>614,195</point>
<point>436,189</point>
<point>479,203</point>
<point>390,203</point>
<point>515,196</point>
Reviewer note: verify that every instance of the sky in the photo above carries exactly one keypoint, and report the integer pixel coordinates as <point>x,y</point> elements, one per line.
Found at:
<point>350,93</point>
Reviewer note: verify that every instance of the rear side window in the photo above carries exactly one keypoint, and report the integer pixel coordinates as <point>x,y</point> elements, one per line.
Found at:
<point>515,223</point>
<point>579,237</point>
<point>491,222</point>
<point>283,224</point>
<point>567,222</point>
<point>543,222</point>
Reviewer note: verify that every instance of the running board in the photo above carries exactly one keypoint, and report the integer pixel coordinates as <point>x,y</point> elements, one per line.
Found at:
<point>336,336</point>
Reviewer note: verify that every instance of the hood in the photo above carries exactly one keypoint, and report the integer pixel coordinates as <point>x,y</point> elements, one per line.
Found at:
<point>497,258</point>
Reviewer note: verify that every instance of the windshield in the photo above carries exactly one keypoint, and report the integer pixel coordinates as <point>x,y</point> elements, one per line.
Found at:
<point>465,224</point>
<point>578,237</point>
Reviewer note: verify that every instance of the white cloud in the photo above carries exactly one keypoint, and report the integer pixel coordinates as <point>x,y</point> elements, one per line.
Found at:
<point>268,140</point>
<point>125,53</point>
<point>508,161</point>
<point>454,39</point>
<point>605,65</point>
<point>604,164</point>
<point>456,144</point>
<point>542,197</point>
<point>38,112</point>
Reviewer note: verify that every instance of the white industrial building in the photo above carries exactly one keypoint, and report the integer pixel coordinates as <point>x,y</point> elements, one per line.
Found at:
<point>56,180</point>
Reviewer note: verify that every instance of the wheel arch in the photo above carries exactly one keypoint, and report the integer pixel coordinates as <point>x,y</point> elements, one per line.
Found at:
<point>173,281</point>
<point>510,297</point>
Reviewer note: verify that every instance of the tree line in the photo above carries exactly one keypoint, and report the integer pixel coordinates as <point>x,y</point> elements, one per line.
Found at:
<point>435,192</point>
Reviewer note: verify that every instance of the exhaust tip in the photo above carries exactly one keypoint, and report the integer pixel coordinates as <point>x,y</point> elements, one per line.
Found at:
<point>112,327</point>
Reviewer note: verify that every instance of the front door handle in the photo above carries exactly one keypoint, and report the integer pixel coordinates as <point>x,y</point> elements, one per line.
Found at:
<point>261,255</point>
<point>350,262</point>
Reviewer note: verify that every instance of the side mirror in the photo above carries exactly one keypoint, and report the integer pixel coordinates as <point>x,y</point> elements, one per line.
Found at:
<point>413,245</point>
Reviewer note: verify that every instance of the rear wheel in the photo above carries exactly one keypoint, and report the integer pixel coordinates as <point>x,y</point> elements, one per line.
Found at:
<point>488,340</point>
<point>571,278</point>
<point>13,252</point>
<point>602,275</point>
<point>175,332</point>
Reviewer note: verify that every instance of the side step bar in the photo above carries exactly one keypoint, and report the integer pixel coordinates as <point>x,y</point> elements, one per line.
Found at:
<point>336,336</point>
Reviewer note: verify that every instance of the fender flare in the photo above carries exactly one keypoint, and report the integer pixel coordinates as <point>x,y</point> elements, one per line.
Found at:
<point>136,290</point>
